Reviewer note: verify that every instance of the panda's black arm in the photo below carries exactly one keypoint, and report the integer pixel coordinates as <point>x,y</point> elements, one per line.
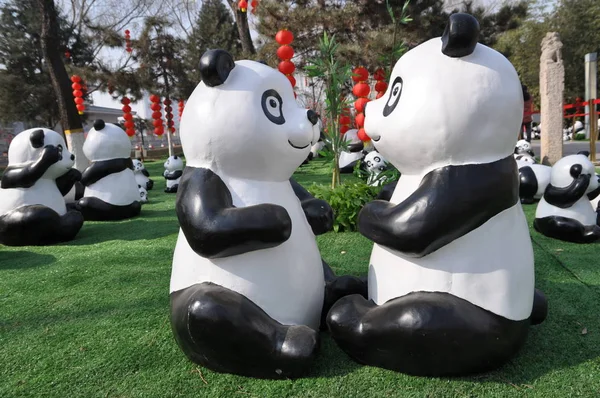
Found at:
<point>567,196</point>
<point>25,176</point>
<point>450,202</point>
<point>145,172</point>
<point>318,212</point>
<point>215,228</point>
<point>98,170</point>
<point>173,175</point>
<point>65,182</point>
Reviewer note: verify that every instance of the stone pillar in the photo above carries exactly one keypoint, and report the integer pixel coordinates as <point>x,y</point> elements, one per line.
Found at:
<point>552,84</point>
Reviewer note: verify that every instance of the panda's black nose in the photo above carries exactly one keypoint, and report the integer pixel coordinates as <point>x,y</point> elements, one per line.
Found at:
<point>72,157</point>
<point>312,117</point>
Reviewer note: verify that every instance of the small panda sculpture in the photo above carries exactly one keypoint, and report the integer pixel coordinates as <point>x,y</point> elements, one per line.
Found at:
<point>375,165</point>
<point>451,275</point>
<point>173,172</point>
<point>111,191</point>
<point>142,175</point>
<point>524,147</point>
<point>249,289</point>
<point>533,180</point>
<point>143,194</point>
<point>355,154</point>
<point>32,207</point>
<point>565,212</point>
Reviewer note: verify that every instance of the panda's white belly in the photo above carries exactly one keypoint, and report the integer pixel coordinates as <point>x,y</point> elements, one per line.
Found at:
<point>172,183</point>
<point>44,192</point>
<point>119,189</point>
<point>141,179</point>
<point>491,267</point>
<point>285,281</point>
<point>542,174</point>
<point>348,157</point>
<point>581,211</point>
<point>594,202</point>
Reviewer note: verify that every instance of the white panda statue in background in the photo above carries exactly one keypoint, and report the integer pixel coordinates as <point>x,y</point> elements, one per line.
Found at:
<point>142,175</point>
<point>111,191</point>
<point>173,172</point>
<point>143,194</point>
<point>565,212</point>
<point>451,275</point>
<point>248,287</point>
<point>375,165</point>
<point>32,207</point>
<point>348,160</point>
<point>523,147</point>
<point>533,180</point>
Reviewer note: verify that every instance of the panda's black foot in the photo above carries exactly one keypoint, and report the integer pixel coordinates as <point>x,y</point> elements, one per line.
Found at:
<point>387,191</point>
<point>226,332</point>
<point>38,225</point>
<point>567,229</point>
<point>425,334</point>
<point>172,189</point>
<point>527,201</point>
<point>149,185</point>
<point>94,209</point>
<point>540,308</point>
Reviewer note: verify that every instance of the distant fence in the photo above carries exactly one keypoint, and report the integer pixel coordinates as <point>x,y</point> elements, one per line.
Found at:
<point>571,111</point>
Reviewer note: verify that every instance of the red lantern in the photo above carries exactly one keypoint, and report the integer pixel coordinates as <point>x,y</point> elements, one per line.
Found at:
<point>127,115</point>
<point>67,54</point>
<point>126,101</point>
<point>79,100</point>
<point>285,53</point>
<point>155,107</point>
<point>360,103</point>
<point>75,79</point>
<point>157,123</point>
<point>243,5</point>
<point>379,95</point>
<point>362,135</point>
<point>181,107</point>
<point>345,120</point>
<point>361,90</point>
<point>344,129</point>
<point>379,75</point>
<point>81,108</point>
<point>129,124</point>
<point>167,102</point>
<point>292,80</point>
<point>77,94</point>
<point>156,115</point>
<point>381,86</point>
<point>154,98</point>
<point>159,131</point>
<point>284,37</point>
<point>360,120</point>
<point>287,67</point>
<point>360,74</point>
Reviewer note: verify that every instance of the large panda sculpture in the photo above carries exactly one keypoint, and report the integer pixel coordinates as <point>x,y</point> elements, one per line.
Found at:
<point>32,207</point>
<point>451,275</point>
<point>248,286</point>
<point>111,191</point>
<point>565,212</point>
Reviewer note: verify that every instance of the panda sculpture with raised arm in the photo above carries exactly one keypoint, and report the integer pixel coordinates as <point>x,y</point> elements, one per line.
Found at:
<point>451,274</point>
<point>249,289</point>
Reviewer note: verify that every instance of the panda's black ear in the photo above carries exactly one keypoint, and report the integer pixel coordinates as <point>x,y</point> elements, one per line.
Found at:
<point>460,36</point>
<point>584,153</point>
<point>215,66</point>
<point>99,124</point>
<point>174,156</point>
<point>37,138</point>
<point>576,170</point>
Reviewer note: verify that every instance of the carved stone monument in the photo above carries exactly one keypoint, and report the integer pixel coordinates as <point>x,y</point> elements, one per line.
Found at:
<point>552,83</point>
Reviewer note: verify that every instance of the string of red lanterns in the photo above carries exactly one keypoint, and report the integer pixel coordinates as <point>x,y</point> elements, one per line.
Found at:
<point>345,120</point>
<point>169,116</point>
<point>181,107</point>
<point>156,115</point>
<point>254,5</point>
<point>361,90</point>
<point>129,124</point>
<point>128,41</point>
<point>67,54</point>
<point>243,5</point>
<point>77,93</point>
<point>381,86</point>
<point>285,53</point>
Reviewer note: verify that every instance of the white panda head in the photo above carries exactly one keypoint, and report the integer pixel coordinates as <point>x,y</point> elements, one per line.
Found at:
<point>137,165</point>
<point>526,158</point>
<point>522,146</point>
<point>243,120</point>
<point>106,141</point>
<point>569,168</point>
<point>174,163</point>
<point>578,126</point>
<point>375,162</point>
<point>28,146</point>
<point>143,194</point>
<point>351,136</point>
<point>468,95</point>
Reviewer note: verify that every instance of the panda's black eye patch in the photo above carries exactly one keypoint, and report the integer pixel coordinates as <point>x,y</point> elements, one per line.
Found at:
<point>394,98</point>
<point>272,104</point>
<point>576,170</point>
<point>37,138</point>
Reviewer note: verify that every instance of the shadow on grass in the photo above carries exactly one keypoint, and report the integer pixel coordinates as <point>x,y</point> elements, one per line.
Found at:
<point>24,260</point>
<point>132,230</point>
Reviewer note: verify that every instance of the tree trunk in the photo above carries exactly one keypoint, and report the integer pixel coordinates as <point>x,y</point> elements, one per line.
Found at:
<point>241,19</point>
<point>69,117</point>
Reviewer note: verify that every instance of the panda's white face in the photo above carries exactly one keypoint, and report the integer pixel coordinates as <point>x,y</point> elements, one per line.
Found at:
<point>174,163</point>
<point>375,162</point>
<point>143,194</point>
<point>562,175</point>
<point>137,165</point>
<point>523,146</point>
<point>250,126</point>
<point>21,151</point>
<point>108,142</point>
<point>440,110</point>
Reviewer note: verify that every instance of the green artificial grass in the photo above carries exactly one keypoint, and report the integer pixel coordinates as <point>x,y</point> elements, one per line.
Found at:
<point>91,319</point>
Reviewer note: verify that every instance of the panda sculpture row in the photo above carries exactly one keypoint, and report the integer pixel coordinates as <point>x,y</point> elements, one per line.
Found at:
<point>451,286</point>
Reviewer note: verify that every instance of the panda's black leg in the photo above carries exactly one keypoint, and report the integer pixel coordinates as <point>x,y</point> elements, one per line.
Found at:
<point>94,209</point>
<point>172,189</point>
<point>226,332</point>
<point>337,287</point>
<point>567,229</point>
<point>349,168</point>
<point>540,308</point>
<point>149,184</point>
<point>425,334</point>
<point>38,225</point>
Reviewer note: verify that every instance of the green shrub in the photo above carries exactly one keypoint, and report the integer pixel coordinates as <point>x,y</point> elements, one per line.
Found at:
<point>347,200</point>
<point>579,137</point>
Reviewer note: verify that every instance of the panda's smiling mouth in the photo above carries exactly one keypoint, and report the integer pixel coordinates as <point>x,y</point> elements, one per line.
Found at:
<point>298,147</point>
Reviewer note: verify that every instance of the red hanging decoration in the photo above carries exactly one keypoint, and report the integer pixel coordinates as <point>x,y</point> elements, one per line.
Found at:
<point>157,115</point>
<point>67,54</point>
<point>77,93</point>
<point>286,53</point>
<point>128,41</point>
<point>345,120</point>
<point>243,5</point>
<point>254,5</point>
<point>129,124</point>
<point>181,107</point>
<point>169,116</point>
<point>361,90</point>
<point>381,86</point>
